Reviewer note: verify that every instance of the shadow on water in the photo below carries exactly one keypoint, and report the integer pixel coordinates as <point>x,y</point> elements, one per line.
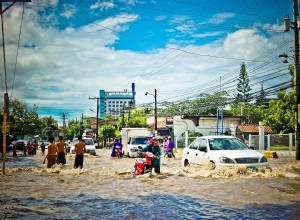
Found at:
<point>82,206</point>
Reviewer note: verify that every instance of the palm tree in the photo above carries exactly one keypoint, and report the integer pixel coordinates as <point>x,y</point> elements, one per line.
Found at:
<point>49,126</point>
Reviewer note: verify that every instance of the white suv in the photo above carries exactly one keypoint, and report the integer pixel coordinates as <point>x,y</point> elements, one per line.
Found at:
<point>89,146</point>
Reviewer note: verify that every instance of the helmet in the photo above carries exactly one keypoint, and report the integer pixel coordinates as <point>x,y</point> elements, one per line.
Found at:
<point>154,140</point>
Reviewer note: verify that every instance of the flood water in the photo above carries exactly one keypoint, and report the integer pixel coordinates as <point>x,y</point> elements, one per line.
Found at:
<point>106,189</point>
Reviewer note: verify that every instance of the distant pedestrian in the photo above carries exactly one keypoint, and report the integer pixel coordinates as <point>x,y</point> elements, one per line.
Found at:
<point>171,146</point>
<point>14,150</point>
<point>29,148</point>
<point>43,148</point>
<point>25,150</point>
<point>62,151</point>
<point>34,147</point>
<point>79,151</point>
<point>52,153</point>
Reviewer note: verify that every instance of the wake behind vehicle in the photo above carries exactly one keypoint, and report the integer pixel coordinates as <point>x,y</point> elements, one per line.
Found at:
<point>222,151</point>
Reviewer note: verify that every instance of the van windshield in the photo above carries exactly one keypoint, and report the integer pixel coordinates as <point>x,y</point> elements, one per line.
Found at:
<point>140,140</point>
<point>88,141</point>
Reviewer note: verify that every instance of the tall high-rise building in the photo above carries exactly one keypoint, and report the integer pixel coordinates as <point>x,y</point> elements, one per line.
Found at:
<point>114,102</point>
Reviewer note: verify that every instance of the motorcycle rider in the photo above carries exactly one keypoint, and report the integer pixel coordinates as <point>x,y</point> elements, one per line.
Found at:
<point>170,147</point>
<point>154,148</point>
<point>115,145</point>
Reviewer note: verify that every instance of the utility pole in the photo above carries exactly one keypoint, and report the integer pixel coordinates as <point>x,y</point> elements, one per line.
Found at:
<point>6,98</point>
<point>81,125</point>
<point>97,119</point>
<point>296,73</point>
<point>297,79</point>
<point>155,109</point>
<point>63,117</point>
<point>123,116</point>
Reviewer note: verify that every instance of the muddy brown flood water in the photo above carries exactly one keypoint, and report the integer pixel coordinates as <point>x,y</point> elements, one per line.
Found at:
<point>106,189</point>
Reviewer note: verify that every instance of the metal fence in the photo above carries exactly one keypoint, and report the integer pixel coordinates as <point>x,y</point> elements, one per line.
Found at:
<point>267,142</point>
<point>258,142</point>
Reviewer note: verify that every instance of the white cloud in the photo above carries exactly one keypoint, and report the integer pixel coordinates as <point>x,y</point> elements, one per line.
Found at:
<point>102,5</point>
<point>220,18</point>
<point>69,10</point>
<point>63,68</point>
<point>208,34</point>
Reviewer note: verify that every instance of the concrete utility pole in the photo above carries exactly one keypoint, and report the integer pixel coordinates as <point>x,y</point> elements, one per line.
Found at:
<point>97,119</point>
<point>296,72</point>
<point>6,98</point>
<point>63,117</point>
<point>155,108</point>
<point>297,78</point>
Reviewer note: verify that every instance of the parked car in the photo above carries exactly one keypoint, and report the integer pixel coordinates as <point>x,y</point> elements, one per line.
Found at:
<point>222,151</point>
<point>89,146</point>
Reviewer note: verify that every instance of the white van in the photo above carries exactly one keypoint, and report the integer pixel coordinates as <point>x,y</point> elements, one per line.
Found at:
<point>131,149</point>
<point>89,145</point>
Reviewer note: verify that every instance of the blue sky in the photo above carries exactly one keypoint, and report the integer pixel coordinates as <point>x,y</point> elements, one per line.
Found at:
<point>69,50</point>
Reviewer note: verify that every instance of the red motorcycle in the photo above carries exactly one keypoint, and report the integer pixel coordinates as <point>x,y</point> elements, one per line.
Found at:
<point>143,165</point>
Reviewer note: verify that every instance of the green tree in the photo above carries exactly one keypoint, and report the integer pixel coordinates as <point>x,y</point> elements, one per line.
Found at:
<point>108,116</point>
<point>49,126</point>
<point>72,130</point>
<point>23,120</point>
<point>253,113</point>
<point>243,86</point>
<point>262,96</point>
<point>137,119</point>
<point>281,113</point>
<point>202,104</point>
<point>107,131</point>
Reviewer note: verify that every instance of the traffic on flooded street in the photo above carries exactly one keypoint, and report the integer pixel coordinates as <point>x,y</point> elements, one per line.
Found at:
<point>107,188</point>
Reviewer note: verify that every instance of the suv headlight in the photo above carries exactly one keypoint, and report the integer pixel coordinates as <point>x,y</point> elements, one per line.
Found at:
<point>226,160</point>
<point>263,160</point>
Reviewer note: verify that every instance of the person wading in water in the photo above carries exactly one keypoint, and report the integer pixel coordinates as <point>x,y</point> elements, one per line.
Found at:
<point>52,153</point>
<point>62,151</point>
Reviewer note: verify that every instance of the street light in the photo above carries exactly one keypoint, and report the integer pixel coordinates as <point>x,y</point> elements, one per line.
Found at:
<point>296,75</point>
<point>155,107</point>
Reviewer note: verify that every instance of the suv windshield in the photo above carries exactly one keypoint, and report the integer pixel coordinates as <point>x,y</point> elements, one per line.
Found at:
<point>141,140</point>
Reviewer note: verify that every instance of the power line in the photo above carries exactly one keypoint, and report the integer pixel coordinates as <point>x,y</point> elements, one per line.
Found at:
<point>12,89</point>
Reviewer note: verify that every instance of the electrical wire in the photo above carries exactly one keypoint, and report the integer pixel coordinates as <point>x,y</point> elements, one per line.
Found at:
<point>3,49</point>
<point>12,89</point>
